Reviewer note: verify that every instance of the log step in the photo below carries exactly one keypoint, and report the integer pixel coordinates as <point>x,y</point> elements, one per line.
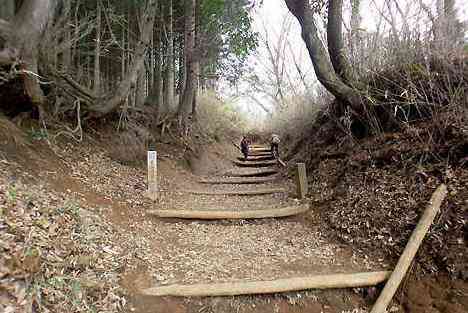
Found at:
<point>220,214</point>
<point>271,286</point>
<point>257,158</point>
<point>253,173</point>
<point>265,149</point>
<point>238,192</point>
<point>260,153</point>
<point>237,180</point>
<point>258,146</point>
<point>256,164</point>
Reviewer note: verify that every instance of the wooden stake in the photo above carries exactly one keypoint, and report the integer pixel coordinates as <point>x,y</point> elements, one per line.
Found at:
<point>411,248</point>
<point>301,180</point>
<point>152,192</point>
<point>271,286</point>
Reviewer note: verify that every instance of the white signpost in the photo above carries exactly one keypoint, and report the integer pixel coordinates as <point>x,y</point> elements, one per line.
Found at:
<point>152,175</point>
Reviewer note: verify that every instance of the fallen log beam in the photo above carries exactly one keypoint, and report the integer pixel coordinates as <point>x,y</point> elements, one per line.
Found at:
<point>257,158</point>
<point>220,214</point>
<point>237,180</point>
<point>261,150</point>
<point>411,248</point>
<point>254,173</point>
<point>238,192</point>
<point>271,286</point>
<point>255,153</point>
<point>256,164</point>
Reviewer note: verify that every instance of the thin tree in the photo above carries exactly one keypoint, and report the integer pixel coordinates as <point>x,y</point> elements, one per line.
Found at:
<point>323,69</point>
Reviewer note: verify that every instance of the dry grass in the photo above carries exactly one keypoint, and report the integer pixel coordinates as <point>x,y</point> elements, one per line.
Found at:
<point>217,120</point>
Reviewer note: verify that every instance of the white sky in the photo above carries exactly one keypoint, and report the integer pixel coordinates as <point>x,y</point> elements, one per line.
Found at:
<point>272,13</point>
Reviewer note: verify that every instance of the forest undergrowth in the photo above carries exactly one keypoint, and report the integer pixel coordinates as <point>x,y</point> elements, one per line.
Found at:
<point>371,175</point>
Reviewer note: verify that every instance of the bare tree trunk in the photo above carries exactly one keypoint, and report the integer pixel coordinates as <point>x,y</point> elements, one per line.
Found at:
<point>335,41</point>
<point>140,88</point>
<point>125,85</point>
<point>97,52</point>
<point>156,92</point>
<point>7,9</point>
<point>22,36</point>
<point>66,55</point>
<point>181,71</point>
<point>169,91</point>
<point>196,60</point>
<point>323,69</point>
<point>187,97</point>
<point>355,24</point>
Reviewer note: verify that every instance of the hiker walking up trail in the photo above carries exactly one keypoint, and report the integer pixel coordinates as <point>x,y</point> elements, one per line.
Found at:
<point>274,144</point>
<point>245,142</point>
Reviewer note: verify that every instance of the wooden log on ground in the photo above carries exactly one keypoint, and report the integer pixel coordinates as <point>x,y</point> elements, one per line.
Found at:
<point>257,158</point>
<point>238,192</point>
<point>253,173</point>
<point>258,146</point>
<point>240,180</point>
<point>255,164</point>
<point>271,286</point>
<point>260,153</point>
<point>266,149</point>
<point>225,215</point>
<point>411,248</point>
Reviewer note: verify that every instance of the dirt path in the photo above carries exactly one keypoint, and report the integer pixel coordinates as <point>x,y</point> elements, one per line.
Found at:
<point>165,251</point>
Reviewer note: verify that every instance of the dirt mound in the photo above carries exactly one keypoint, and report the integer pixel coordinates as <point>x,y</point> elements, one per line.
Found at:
<point>372,191</point>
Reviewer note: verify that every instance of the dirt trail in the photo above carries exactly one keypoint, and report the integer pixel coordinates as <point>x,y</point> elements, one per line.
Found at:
<point>165,251</point>
<point>200,251</point>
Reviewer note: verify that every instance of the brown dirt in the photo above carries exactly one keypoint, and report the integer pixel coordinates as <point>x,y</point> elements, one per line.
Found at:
<point>155,251</point>
<point>435,295</point>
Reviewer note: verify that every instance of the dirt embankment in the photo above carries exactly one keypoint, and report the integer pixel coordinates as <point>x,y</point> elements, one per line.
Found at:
<point>371,193</point>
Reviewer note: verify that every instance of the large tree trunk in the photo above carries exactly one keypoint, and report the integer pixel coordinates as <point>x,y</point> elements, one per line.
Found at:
<point>187,98</point>
<point>196,60</point>
<point>169,90</point>
<point>125,85</point>
<point>335,41</point>
<point>97,52</point>
<point>7,9</point>
<point>22,36</point>
<point>323,69</point>
<point>156,93</point>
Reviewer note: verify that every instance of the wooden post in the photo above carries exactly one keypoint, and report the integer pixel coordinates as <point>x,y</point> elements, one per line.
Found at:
<point>301,180</point>
<point>411,248</point>
<point>152,175</point>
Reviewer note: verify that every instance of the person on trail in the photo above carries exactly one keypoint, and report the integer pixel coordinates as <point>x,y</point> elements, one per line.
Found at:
<point>245,147</point>
<point>274,144</point>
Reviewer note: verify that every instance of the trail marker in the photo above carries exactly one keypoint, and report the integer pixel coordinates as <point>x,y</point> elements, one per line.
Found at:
<point>301,180</point>
<point>152,192</point>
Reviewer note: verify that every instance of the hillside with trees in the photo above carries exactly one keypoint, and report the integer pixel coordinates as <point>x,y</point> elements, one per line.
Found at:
<point>368,98</point>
